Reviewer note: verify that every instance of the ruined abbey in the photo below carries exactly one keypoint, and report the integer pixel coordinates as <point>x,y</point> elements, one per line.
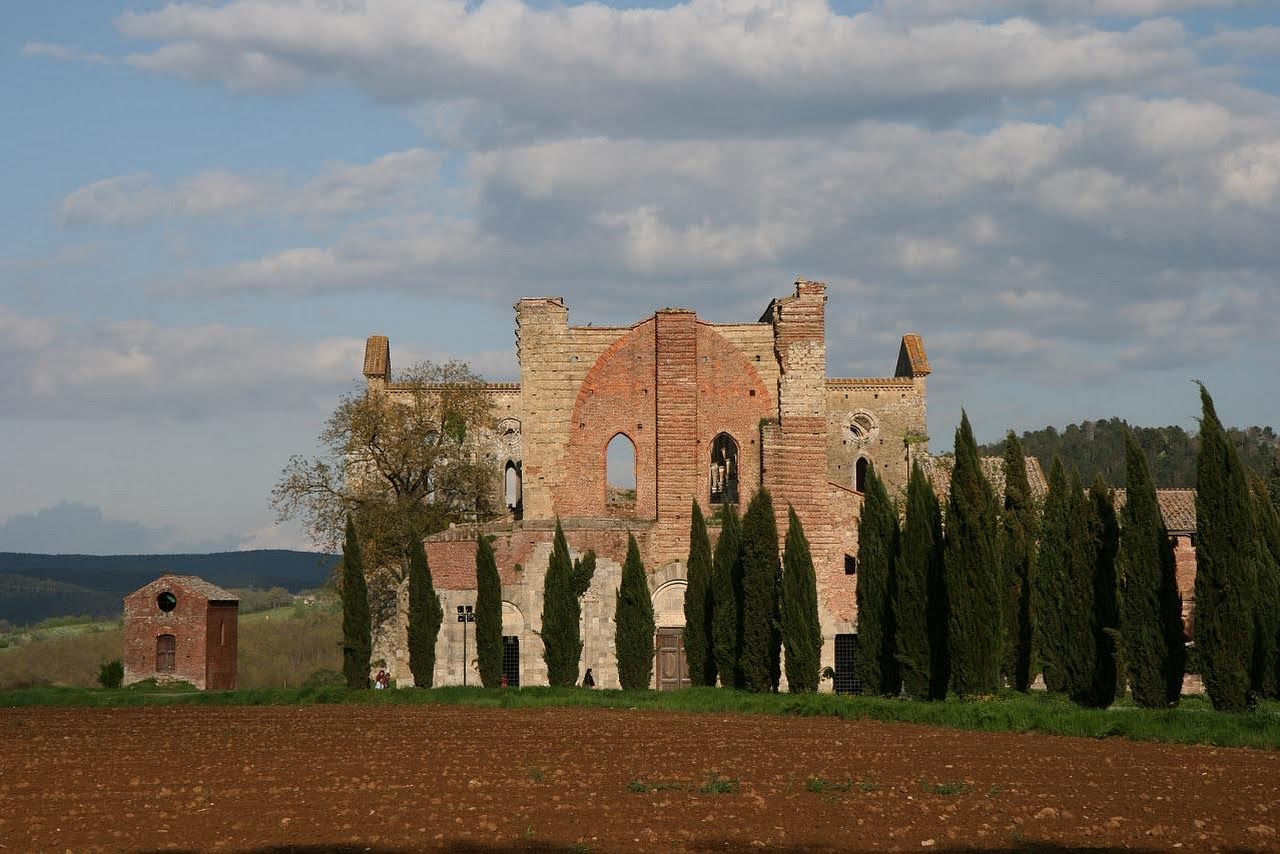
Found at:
<point>712,412</point>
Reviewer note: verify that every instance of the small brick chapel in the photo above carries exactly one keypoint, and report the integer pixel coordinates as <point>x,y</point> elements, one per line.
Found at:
<point>181,628</point>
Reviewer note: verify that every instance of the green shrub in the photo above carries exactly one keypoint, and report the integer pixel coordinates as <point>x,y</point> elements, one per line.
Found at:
<point>111,673</point>
<point>325,678</point>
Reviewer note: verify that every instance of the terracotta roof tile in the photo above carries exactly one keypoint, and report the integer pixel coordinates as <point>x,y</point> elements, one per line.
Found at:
<point>377,357</point>
<point>938,470</point>
<point>1177,506</point>
<point>912,359</point>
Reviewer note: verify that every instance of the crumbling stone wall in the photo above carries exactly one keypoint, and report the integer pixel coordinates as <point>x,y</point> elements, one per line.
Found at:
<point>671,384</point>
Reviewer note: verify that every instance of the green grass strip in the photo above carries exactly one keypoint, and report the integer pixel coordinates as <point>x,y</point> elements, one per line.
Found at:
<point>1194,722</point>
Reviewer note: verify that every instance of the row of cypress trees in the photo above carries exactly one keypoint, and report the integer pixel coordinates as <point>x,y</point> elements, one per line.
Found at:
<point>743,607</point>
<point>1087,594</point>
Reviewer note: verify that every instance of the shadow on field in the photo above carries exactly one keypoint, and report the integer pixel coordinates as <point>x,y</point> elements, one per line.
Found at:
<point>461,847</point>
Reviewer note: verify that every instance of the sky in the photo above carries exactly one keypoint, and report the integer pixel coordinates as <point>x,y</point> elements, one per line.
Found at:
<point>208,206</point>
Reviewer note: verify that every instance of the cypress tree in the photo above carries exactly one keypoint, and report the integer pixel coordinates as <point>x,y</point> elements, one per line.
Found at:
<point>918,579</point>
<point>561,634</point>
<point>1049,601</point>
<point>634,626</point>
<point>1080,652</point>
<point>488,615</point>
<point>1267,634</point>
<point>357,632</point>
<point>1019,525</point>
<point>1150,605</point>
<point>425,616</point>
<point>726,595</point>
<point>1106,609</point>
<point>1226,573</point>
<point>698,605</point>
<point>761,574</point>
<point>877,552</point>
<point>801,632</point>
<point>973,569</point>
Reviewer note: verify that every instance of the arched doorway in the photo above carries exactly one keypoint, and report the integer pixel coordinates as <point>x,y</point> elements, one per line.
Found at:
<point>512,629</point>
<point>620,476</point>
<point>724,470</point>
<point>671,667</point>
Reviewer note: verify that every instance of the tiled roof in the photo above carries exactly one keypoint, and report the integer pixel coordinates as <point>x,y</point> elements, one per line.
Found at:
<point>1177,506</point>
<point>377,357</point>
<point>938,470</point>
<point>197,585</point>
<point>912,359</point>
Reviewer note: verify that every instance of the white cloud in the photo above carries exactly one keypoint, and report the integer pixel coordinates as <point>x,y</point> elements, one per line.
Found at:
<point>505,66</point>
<point>341,189</point>
<point>138,369</point>
<point>1050,229</point>
<point>1261,42</point>
<point>65,53</point>
<point>1074,9</point>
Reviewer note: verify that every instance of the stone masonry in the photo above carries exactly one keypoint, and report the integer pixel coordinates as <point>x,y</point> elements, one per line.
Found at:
<point>677,388</point>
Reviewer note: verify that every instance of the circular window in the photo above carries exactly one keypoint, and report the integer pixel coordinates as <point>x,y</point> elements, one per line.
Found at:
<point>167,601</point>
<point>862,427</point>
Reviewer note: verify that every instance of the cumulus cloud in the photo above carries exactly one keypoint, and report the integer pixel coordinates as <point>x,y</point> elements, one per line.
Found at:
<point>55,368</point>
<point>1257,42</point>
<point>1075,9</point>
<point>1051,229</point>
<point>761,66</point>
<point>341,189</point>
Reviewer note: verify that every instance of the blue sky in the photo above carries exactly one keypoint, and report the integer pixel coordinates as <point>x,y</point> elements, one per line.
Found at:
<point>208,206</point>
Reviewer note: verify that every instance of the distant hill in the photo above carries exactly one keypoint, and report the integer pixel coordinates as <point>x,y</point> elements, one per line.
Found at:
<point>1098,447</point>
<point>34,587</point>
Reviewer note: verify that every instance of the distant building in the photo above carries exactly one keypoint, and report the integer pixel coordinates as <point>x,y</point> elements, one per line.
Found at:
<point>181,628</point>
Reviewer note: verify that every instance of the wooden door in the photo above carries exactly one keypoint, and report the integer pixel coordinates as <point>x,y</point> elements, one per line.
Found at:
<point>672,666</point>
<point>166,653</point>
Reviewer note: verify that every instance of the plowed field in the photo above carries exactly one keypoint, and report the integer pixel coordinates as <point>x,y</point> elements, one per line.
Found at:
<point>430,777</point>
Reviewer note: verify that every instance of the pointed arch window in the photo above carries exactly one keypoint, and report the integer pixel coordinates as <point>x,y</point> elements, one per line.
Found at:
<point>724,470</point>
<point>620,475</point>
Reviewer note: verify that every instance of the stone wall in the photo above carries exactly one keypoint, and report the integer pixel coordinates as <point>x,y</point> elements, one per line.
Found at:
<point>894,409</point>
<point>671,384</point>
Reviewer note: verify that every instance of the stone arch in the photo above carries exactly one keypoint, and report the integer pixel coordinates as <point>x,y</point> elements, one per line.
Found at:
<point>668,604</point>
<point>616,396</point>
<point>512,619</point>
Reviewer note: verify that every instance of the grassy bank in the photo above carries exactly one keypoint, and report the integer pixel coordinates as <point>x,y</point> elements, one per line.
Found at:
<point>277,648</point>
<point>1192,723</point>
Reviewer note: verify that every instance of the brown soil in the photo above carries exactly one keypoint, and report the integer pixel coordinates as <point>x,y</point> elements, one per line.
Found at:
<point>415,777</point>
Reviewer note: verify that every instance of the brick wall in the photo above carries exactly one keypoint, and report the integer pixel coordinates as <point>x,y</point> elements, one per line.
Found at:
<point>194,624</point>
<point>221,641</point>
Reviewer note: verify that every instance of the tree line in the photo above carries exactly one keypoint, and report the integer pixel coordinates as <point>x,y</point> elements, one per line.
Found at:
<point>1099,448</point>
<point>991,593</point>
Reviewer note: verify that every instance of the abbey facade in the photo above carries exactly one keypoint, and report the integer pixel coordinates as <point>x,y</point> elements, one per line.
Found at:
<point>707,412</point>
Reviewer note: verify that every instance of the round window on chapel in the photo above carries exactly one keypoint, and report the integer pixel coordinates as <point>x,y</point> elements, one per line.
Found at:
<point>167,601</point>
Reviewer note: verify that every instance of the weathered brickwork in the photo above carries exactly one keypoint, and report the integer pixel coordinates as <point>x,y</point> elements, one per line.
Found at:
<point>682,391</point>
<point>181,628</point>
